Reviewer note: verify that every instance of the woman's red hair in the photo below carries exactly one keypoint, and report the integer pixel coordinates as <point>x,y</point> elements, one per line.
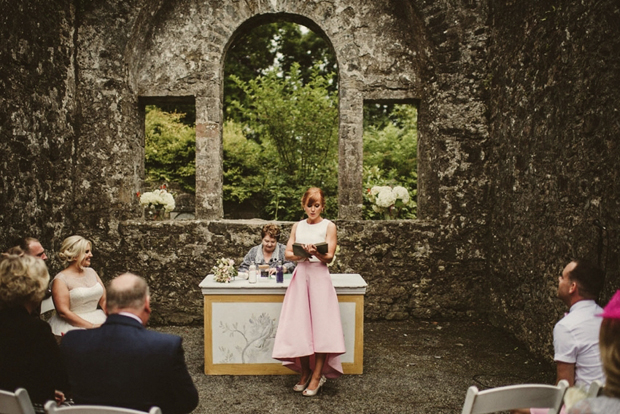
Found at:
<point>312,195</point>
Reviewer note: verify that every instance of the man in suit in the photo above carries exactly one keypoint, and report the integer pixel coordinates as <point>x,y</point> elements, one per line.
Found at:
<point>122,363</point>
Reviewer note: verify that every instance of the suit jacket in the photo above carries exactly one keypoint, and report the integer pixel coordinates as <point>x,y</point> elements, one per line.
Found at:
<point>125,365</point>
<point>29,356</point>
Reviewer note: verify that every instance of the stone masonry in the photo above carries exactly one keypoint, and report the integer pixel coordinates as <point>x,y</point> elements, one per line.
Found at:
<point>518,143</point>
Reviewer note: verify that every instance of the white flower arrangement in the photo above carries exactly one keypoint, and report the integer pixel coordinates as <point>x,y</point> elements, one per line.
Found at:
<point>387,200</point>
<point>224,270</point>
<point>156,198</point>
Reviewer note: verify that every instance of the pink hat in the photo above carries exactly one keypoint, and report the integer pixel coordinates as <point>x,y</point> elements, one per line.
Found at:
<point>612,310</point>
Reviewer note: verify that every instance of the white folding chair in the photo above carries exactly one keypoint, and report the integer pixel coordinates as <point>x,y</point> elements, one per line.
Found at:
<point>47,305</point>
<point>515,396</point>
<point>595,389</point>
<point>52,407</point>
<point>17,402</point>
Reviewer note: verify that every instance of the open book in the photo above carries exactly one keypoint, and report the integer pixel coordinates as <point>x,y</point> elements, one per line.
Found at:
<point>299,251</point>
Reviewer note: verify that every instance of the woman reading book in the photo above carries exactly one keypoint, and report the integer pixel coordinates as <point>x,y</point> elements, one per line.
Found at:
<point>309,339</point>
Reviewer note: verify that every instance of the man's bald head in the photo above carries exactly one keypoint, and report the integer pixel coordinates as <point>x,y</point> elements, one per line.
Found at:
<point>127,292</point>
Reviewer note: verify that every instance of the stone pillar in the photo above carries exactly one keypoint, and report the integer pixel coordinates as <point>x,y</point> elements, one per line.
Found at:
<point>350,152</point>
<point>209,156</point>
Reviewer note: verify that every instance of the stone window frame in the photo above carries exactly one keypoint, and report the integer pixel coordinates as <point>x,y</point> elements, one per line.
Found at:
<point>208,102</point>
<point>400,101</point>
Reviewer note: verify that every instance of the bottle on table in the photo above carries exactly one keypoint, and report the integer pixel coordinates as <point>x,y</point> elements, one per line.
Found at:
<point>252,273</point>
<point>279,273</point>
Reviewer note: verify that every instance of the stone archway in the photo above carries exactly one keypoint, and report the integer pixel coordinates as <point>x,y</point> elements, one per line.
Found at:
<point>183,57</point>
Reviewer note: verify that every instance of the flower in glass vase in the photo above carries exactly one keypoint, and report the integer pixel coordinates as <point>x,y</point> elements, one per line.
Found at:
<point>224,270</point>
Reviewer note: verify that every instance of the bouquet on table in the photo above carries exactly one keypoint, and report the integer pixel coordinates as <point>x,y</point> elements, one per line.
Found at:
<point>224,270</point>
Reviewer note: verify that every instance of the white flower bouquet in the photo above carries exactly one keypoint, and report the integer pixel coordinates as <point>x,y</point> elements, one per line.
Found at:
<point>224,270</point>
<point>158,198</point>
<point>387,200</point>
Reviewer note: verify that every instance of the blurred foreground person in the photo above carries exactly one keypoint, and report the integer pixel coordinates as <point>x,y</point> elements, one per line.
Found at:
<point>29,354</point>
<point>609,343</point>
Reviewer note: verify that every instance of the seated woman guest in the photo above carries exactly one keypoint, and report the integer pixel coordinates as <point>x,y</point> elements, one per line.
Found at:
<point>609,344</point>
<point>29,354</point>
<point>77,290</point>
<point>309,339</point>
<point>269,252</point>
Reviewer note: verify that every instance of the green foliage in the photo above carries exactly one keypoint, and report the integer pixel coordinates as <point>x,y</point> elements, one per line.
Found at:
<point>390,157</point>
<point>274,45</point>
<point>243,160</point>
<point>170,149</point>
<point>295,124</point>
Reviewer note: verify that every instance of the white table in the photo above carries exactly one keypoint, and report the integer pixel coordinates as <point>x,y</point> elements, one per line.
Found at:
<point>241,319</point>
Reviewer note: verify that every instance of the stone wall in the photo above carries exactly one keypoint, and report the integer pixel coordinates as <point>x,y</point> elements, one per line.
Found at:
<point>554,82</point>
<point>518,153</point>
<point>128,52</point>
<point>38,110</point>
<point>409,266</point>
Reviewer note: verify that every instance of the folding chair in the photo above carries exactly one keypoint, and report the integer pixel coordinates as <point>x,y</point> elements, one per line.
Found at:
<point>596,389</point>
<point>17,402</point>
<point>51,407</point>
<point>515,396</point>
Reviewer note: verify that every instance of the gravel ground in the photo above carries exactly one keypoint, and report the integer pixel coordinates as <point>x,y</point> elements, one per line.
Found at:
<point>414,366</point>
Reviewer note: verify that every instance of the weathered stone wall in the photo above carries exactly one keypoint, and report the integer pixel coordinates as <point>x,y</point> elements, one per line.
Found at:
<point>386,50</point>
<point>37,117</point>
<point>409,266</point>
<point>554,81</point>
<point>518,149</point>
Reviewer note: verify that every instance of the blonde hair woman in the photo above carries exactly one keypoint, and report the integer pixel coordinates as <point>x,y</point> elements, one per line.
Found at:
<point>77,291</point>
<point>30,355</point>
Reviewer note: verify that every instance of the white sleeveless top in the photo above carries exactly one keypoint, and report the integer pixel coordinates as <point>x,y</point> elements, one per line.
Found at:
<point>84,295</point>
<point>311,233</point>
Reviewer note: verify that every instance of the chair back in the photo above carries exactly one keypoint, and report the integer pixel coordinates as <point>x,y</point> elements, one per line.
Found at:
<point>515,396</point>
<point>595,389</point>
<point>52,407</point>
<point>47,305</point>
<point>17,402</point>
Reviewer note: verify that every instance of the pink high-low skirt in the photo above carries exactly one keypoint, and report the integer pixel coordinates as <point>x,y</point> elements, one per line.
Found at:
<point>310,321</point>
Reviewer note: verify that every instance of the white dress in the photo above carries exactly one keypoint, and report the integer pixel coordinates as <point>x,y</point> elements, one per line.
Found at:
<point>84,295</point>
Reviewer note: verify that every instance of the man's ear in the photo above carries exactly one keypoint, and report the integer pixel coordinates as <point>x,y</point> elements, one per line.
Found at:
<point>573,288</point>
<point>147,305</point>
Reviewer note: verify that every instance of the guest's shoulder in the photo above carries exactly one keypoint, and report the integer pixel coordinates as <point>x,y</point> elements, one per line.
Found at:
<point>90,271</point>
<point>256,248</point>
<point>598,405</point>
<point>60,276</point>
<point>70,338</point>
<point>163,337</point>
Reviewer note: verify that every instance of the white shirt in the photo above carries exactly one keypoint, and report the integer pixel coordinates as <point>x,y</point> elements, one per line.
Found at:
<point>575,340</point>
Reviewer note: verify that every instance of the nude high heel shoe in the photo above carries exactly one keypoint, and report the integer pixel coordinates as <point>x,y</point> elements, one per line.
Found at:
<point>301,387</point>
<point>312,393</point>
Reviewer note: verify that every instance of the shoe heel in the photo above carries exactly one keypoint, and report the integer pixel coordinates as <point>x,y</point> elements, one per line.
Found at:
<point>312,393</point>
